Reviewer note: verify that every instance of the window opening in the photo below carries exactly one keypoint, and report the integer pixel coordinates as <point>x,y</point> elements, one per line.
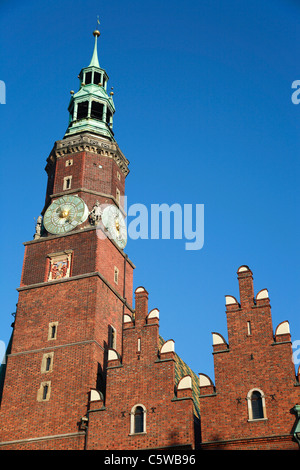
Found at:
<point>67,182</point>
<point>97,110</point>
<point>116,275</point>
<point>48,363</point>
<point>118,195</point>
<point>82,109</point>
<point>108,116</point>
<point>138,420</point>
<point>112,337</point>
<point>88,78</point>
<point>97,78</point>
<point>257,407</point>
<point>45,391</point>
<point>53,331</point>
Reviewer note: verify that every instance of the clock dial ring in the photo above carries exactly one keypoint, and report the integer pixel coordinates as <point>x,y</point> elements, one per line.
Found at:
<point>114,222</point>
<point>64,214</point>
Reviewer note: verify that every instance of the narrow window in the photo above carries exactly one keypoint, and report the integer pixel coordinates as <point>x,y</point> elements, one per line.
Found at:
<point>139,345</point>
<point>116,275</point>
<point>257,406</point>
<point>52,330</point>
<point>118,195</point>
<point>249,328</point>
<point>71,114</point>
<point>138,420</point>
<point>112,337</point>
<point>69,162</point>
<point>67,182</point>
<point>48,363</point>
<point>45,391</point>
<point>108,116</point>
<point>118,176</point>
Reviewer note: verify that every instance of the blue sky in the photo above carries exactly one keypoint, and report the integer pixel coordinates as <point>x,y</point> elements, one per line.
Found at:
<point>202,91</point>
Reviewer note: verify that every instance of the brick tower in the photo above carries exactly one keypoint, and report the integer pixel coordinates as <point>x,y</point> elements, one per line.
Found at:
<point>76,282</point>
<point>86,370</point>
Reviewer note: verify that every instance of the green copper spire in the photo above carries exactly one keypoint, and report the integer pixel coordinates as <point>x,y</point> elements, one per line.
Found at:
<point>92,108</point>
<point>95,62</point>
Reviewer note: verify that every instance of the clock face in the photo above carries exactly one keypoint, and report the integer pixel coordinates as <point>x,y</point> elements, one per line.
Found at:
<point>113,221</point>
<point>64,214</point>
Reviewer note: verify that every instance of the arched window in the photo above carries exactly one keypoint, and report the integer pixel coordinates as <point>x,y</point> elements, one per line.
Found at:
<point>138,419</point>
<point>256,405</point>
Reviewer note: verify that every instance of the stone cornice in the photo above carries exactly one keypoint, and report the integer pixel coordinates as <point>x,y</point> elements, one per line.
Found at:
<point>85,142</point>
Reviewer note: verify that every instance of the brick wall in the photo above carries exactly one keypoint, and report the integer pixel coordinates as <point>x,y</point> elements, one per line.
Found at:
<point>91,171</point>
<point>142,376</point>
<point>252,359</point>
<point>89,254</point>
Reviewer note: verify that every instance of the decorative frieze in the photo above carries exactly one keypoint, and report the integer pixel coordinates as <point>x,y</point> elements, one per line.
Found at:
<point>88,143</point>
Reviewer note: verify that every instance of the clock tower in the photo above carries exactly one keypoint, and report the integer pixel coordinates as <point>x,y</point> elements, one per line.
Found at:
<point>76,283</point>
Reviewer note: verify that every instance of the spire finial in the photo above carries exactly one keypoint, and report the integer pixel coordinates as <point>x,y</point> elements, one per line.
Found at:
<point>95,61</point>
<point>97,32</point>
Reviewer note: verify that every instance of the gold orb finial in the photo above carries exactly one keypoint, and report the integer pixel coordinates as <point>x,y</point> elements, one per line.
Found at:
<point>96,33</point>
